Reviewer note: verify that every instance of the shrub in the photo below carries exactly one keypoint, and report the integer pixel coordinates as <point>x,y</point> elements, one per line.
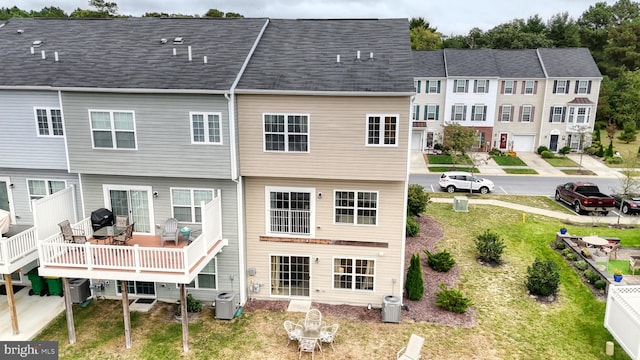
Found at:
<point>560,245</point>
<point>543,278</point>
<point>412,226</point>
<point>565,150</point>
<point>414,283</point>
<point>600,152</point>
<point>572,256</point>
<point>193,305</point>
<point>591,150</point>
<point>581,265</point>
<point>542,149</point>
<point>437,146</point>
<point>547,154</point>
<point>441,261</point>
<point>452,300</point>
<point>490,246</point>
<point>417,199</point>
<point>495,152</point>
<point>585,253</point>
<point>591,276</point>
<point>566,252</point>
<point>600,284</point>
<point>609,151</point>
<point>614,160</point>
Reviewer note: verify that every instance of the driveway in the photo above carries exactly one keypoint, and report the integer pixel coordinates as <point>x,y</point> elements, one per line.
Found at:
<point>34,313</point>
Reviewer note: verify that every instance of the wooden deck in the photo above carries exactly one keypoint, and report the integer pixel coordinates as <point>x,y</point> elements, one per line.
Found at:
<point>143,241</point>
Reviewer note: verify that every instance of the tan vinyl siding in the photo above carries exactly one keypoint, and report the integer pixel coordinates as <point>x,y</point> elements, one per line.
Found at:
<point>337,137</point>
<point>388,230</point>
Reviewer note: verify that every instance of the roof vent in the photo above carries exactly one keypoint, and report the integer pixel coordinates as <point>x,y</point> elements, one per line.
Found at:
<point>178,40</point>
<point>163,41</point>
<point>37,43</point>
<point>19,31</point>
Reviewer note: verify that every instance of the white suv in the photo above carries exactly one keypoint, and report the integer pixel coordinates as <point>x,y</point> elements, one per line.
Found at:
<point>460,180</point>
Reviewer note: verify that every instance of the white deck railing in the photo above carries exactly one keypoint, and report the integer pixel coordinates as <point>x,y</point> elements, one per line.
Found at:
<point>18,246</point>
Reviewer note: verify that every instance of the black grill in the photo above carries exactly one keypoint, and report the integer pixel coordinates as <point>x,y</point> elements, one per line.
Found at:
<point>101,218</point>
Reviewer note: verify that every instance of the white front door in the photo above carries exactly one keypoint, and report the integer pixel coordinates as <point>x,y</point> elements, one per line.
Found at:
<point>136,202</point>
<point>6,202</point>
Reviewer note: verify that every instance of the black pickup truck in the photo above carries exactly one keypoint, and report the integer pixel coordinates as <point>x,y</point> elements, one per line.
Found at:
<point>585,197</point>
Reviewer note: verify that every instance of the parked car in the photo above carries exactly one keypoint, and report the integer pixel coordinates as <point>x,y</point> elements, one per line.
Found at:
<point>459,180</point>
<point>584,197</point>
<point>630,204</point>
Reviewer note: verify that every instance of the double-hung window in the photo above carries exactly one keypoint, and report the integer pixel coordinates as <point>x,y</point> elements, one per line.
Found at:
<point>529,87</point>
<point>458,112</point>
<point>506,113</point>
<point>481,86</point>
<point>479,139</point>
<point>556,115</point>
<point>479,113</point>
<point>356,207</point>
<point>382,129</point>
<point>579,115</point>
<point>286,132</point>
<point>433,86</point>
<point>113,129</point>
<point>431,112</point>
<point>186,203</point>
<point>289,211</point>
<point>207,278</point>
<point>508,87</point>
<point>40,188</point>
<point>416,112</point>
<point>417,84</point>
<point>561,87</point>
<point>526,113</point>
<point>49,122</point>
<point>354,274</point>
<point>206,128</point>
<point>583,87</point>
<point>460,86</point>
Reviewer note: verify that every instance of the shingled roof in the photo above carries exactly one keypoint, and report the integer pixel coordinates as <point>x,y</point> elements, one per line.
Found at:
<point>428,63</point>
<point>518,64</point>
<point>302,56</point>
<point>126,53</point>
<point>569,62</point>
<point>470,62</point>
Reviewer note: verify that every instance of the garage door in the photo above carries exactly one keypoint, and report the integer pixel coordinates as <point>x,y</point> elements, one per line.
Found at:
<point>416,141</point>
<point>523,143</point>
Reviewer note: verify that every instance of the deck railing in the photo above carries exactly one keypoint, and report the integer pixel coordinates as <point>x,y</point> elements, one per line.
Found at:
<point>18,246</point>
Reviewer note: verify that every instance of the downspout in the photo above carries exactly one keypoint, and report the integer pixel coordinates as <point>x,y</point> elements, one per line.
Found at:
<point>235,176</point>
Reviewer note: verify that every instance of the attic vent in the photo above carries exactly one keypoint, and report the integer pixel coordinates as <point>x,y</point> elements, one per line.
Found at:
<point>37,43</point>
<point>178,40</point>
<point>163,41</point>
<point>19,31</point>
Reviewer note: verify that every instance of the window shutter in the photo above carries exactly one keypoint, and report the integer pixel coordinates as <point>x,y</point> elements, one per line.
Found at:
<point>417,117</point>
<point>520,114</point>
<point>502,87</point>
<point>464,111</point>
<point>564,112</point>
<point>531,115</point>
<point>535,87</point>
<point>418,87</point>
<point>555,85</point>
<point>453,112</point>
<point>515,86</point>
<point>438,108</point>
<point>466,86</point>
<point>473,112</point>
<point>551,114</point>
<point>566,88</point>
<point>575,89</point>
<point>484,113</point>
<point>500,113</point>
<point>438,86</point>
<point>524,85</point>
<point>475,86</point>
<point>589,87</point>
<point>426,111</point>
<point>486,86</point>
<point>511,112</point>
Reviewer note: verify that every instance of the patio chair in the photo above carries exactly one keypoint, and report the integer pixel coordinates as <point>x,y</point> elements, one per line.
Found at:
<point>124,237</point>
<point>170,231</point>
<point>307,345</point>
<point>70,234</point>
<point>122,220</point>
<point>413,349</point>
<point>294,331</point>
<point>328,334</point>
<point>313,319</point>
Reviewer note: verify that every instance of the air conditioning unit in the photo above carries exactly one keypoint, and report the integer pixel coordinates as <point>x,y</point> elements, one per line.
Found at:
<point>391,308</point>
<point>461,203</point>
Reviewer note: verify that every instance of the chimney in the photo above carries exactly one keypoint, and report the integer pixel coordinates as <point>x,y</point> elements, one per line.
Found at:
<point>174,52</point>
<point>43,55</point>
<point>338,58</point>
<point>55,56</point>
<point>189,50</point>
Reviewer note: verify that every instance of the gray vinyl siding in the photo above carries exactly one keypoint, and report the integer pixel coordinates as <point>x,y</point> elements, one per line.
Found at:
<point>228,262</point>
<point>20,192</point>
<point>20,145</point>
<point>163,135</point>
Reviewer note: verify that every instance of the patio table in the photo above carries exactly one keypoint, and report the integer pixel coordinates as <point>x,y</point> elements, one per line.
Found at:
<point>109,232</point>
<point>595,240</point>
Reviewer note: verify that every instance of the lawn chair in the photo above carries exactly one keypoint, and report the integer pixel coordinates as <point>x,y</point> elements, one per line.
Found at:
<point>328,334</point>
<point>122,221</point>
<point>307,345</point>
<point>313,320</point>
<point>412,350</point>
<point>170,231</point>
<point>124,237</point>
<point>70,234</point>
<point>294,331</point>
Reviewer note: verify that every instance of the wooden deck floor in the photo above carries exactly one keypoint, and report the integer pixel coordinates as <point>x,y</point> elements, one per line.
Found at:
<point>143,241</point>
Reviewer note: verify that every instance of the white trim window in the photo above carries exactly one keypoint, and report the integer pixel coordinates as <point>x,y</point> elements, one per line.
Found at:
<point>529,87</point>
<point>431,112</point>
<point>506,113</point>
<point>417,85</point>
<point>382,130</point>
<point>508,87</point>
<point>354,274</point>
<point>185,203</point>
<point>526,113</point>
<point>356,207</point>
<point>286,132</point>
<point>416,112</point>
<point>579,114</point>
<point>561,87</point>
<point>479,113</point>
<point>481,86</point>
<point>433,86</point>
<point>207,279</point>
<point>289,210</point>
<point>583,87</point>
<point>113,129</point>
<point>460,86</point>
<point>479,139</point>
<point>39,188</point>
<point>556,114</point>
<point>458,112</point>
<point>206,128</point>
<point>49,122</point>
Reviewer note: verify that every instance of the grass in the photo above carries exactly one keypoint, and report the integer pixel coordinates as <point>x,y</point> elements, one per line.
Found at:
<point>578,172</point>
<point>520,171</point>
<point>561,161</point>
<point>541,202</point>
<point>511,325</point>
<point>452,168</point>
<point>508,161</point>
<point>447,159</point>
<point>623,265</point>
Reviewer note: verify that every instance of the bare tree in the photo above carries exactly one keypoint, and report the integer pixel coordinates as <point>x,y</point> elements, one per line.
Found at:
<point>584,133</point>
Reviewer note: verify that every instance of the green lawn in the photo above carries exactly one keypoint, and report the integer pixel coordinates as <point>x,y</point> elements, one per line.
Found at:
<point>625,150</point>
<point>452,168</point>
<point>578,172</point>
<point>508,161</point>
<point>520,171</point>
<point>562,161</point>
<point>623,265</point>
<point>447,159</point>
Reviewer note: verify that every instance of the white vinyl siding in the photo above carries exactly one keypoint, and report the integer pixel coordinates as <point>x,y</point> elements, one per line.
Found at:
<point>356,207</point>
<point>353,274</point>
<point>206,128</point>
<point>382,130</point>
<point>286,132</point>
<point>49,122</point>
<point>113,129</point>
<point>185,203</point>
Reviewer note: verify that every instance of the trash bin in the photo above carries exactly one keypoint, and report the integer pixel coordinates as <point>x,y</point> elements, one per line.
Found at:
<point>54,284</point>
<point>226,306</point>
<point>185,232</point>
<point>38,286</point>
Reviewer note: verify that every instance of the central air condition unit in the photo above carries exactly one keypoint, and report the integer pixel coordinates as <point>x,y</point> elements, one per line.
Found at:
<point>391,307</point>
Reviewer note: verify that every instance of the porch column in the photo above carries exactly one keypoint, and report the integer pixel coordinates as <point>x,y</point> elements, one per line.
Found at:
<point>185,318</point>
<point>8,283</point>
<point>125,313</point>
<point>69,307</point>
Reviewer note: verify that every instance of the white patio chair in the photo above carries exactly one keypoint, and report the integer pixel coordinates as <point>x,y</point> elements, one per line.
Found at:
<point>307,345</point>
<point>294,331</point>
<point>328,334</point>
<point>170,231</point>
<point>413,349</point>
<point>313,320</point>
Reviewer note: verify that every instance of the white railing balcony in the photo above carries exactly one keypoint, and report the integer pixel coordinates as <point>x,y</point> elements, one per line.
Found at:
<point>296,222</point>
<point>18,250</point>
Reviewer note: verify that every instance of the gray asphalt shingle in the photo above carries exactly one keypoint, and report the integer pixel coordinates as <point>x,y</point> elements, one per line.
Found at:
<point>470,62</point>
<point>519,64</point>
<point>569,62</point>
<point>428,63</point>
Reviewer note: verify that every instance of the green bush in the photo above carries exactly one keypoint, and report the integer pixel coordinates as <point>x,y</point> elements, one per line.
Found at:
<point>600,284</point>
<point>490,246</point>
<point>572,256</point>
<point>542,149</point>
<point>585,252</point>
<point>417,199</point>
<point>591,150</point>
<point>614,160</point>
<point>581,265</point>
<point>600,152</point>
<point>495,152</point>
<point>413,228</point>
<point>565,150</point>
<point>609,151</point>
<point>543,278</point>
<point>441,261</point>
<point>414,283</point>
<point>547,154</point>
<point>452,300</point>
<point>567,251</point>
<point>437,146</point>
<point>591,276</point>
<point>193,305</point>
<point>560,245</point>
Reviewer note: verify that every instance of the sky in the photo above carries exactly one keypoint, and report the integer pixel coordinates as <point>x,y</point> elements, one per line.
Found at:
<point>454,17</point>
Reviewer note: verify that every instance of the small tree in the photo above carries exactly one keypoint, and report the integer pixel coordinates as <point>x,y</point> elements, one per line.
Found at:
<point>413,228</point>
<point>417,199</point>
<point>460,139</point>
<point>490,246</point>
<point>629,132</point>
<point>543,278</point>
<point>414,283</point>
<point>441,261</point>
<point>452,300</point>
<point>628,183</point>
